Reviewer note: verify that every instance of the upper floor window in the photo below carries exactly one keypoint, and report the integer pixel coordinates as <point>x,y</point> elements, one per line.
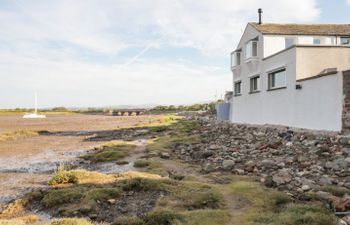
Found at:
<point>238,86</point>
<point>345,40</point>
<point>277,79</point>
<point>251,49</point>
<point>317,41</point>
<point>254,84</point>
<point>289,42</point>
<point>236,58</point>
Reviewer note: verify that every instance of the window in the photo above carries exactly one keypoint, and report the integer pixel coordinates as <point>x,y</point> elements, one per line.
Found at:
<point>236,58</point>
<point>277,79</point>
<point>289,42</point>
<point>345,40</point>
<point>251,49</point>
<point>254,84</point>
<point>317,41</point>
<point>238,85</point>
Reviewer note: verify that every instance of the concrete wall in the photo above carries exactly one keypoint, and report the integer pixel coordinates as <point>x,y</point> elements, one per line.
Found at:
<point>223,111</point>
<point>312,60</point>
<point>276,43</point>
<point>318,105</point>
<point>346,102</point>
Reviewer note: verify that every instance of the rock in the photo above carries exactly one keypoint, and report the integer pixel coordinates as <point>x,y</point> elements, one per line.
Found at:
<point>92,216</point>
<point>208,167</point>
<point>228,164</point>
<point>164,155</point>
<point>249,166</point>
<point>111,201</point>
<point>325,181</point>
<point>342,222</point>
<point>305,188</point>
<point>214,147</point>
<point>282,177</point>
<point>268,163</point>
<point>346,219</point>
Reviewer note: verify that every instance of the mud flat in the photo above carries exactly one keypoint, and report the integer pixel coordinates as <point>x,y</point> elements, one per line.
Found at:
<point>33,149</point>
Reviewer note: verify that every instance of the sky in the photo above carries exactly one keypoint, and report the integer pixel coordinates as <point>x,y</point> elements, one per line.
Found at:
<point>114,52</point>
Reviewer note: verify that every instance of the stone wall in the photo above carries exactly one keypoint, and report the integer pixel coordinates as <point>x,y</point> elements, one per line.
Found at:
<point>346,102</point>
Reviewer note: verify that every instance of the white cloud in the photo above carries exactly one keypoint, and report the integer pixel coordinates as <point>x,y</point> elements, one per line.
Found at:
<point>90,52</point>
<point>144,82</point>
<point>348,2</point>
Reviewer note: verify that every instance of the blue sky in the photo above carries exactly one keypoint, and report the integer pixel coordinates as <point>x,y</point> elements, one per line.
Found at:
<point>111,52</point>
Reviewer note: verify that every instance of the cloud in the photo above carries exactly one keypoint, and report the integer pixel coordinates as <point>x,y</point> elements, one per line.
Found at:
<point>144,82</point>
<point>90,52</point>
<point>348,2</point>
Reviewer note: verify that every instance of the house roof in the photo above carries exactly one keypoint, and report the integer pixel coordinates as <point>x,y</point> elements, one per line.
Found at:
<point>303,29</point>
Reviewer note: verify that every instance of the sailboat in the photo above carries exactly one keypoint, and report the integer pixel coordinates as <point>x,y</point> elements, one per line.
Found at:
<point>34,115</point>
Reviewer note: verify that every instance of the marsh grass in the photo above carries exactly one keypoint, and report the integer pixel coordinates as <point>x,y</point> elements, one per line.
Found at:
<point>113,151</point>
<point>15,135</point>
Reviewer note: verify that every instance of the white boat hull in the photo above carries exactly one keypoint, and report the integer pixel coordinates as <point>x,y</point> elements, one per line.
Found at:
<point>33,116</point>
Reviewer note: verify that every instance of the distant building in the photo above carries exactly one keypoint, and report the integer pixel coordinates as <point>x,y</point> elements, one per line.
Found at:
<point>296,75</point>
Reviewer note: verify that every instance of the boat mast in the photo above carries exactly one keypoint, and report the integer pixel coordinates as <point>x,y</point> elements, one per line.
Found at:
<point>36,103</point>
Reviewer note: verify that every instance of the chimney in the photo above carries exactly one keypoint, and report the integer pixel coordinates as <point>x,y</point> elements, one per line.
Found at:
<point>260,12</point>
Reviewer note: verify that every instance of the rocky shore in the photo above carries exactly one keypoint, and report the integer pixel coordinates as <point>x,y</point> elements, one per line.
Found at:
<point>303,163</point>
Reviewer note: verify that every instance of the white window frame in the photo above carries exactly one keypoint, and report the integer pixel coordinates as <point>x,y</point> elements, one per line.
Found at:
<point>236,58</point>
<point>236,93</point>
<point>272,75</point>
<point>249,49</point>
<point>251,84</point>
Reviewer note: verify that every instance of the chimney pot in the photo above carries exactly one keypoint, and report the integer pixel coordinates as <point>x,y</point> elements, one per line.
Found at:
<point>260,12</point>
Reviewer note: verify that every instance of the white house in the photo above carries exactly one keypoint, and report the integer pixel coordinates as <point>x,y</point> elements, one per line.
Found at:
<point>296,75</point>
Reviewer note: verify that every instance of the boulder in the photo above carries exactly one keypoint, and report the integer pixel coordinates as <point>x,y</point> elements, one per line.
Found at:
<point>283,176</point>
<point>228,164</point>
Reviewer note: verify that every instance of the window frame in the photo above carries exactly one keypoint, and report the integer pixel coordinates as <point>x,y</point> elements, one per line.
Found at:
<point>251,84</point>
<point>235,59</point>
<point>239,82</point>
<point>272,74</point>
<point>249,48</point>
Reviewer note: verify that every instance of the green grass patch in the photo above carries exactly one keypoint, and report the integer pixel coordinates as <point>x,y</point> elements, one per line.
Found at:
<point>336,190</point>
<point>163,217</point>
<point>112,152</point>
<point>124,220</point>
<point>206,217</point>
<point>142,163</point>
<point>298,215</point>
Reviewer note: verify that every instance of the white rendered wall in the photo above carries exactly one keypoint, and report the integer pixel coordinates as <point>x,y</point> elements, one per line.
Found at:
<point>317,105</point>
<point>273,44</point>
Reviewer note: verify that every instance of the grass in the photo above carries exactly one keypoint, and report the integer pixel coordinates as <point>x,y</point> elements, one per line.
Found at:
<point>70,221</point>
<point>112,152</point>
<point>269,207</point>
<point>180,132</point>
<point>15,135</point>
<point>207,217</point>
<point>80,177</point>
<point>336,190</point>
<point>163,217</point>
<point>124,220</point>
<point>298,215</point>
<point>142,163</point>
